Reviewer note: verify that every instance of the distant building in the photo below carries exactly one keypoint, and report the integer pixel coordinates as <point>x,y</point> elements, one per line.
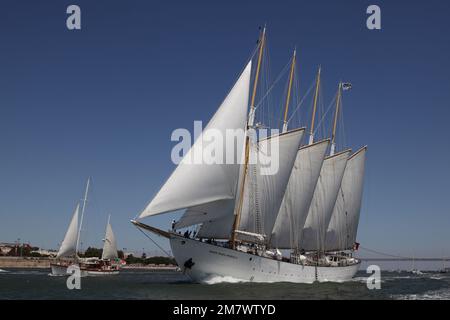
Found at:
<point>5,248</point>
<point>46,253</point>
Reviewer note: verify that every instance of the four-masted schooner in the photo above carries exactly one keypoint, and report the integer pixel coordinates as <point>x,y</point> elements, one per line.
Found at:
<point>245,215</point>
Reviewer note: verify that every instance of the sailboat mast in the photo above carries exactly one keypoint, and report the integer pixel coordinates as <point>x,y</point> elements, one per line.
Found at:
<point>82,213</point>
<point>238,209</point>
<point>107,224</point>
<point>258,67</point>
<point>336,114</point>
<point>288,97</point>
<point>316,94</point>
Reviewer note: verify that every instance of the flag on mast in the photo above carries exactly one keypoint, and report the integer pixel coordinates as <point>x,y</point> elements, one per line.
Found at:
<point>346,86</point>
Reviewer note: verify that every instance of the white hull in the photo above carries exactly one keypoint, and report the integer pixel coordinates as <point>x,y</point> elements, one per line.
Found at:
<point>102,273</point>
<point>61,270</point>
<point>210,261</point>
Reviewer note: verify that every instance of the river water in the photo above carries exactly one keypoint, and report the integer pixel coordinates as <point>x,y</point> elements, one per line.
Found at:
<point>145,284</point>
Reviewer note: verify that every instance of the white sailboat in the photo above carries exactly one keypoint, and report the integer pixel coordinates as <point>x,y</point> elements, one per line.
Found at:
<point>245,216</point>
<point>109,262</point>
<point>68,252</point>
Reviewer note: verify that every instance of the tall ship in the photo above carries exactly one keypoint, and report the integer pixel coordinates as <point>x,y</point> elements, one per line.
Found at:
<point>245,221</point>
<point>108,264</point>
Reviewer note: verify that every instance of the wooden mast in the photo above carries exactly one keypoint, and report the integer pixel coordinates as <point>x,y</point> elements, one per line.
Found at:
<point>238,209</point>
<point>336,114</point>
<point>288,97</point>
<point>316,94</point>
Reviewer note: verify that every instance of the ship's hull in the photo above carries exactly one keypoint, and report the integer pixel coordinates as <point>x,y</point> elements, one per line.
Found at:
<point>203,262</point>
<point>61,270</point>
<point>102,272</point>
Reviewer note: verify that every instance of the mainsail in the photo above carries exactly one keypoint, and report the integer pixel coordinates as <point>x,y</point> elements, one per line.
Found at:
<point>324,198</point>
<point>69,244</point>
<point>263,191</point>
<point>299,192</point>
<point>206,213</point>
<point>109,246</point>
<point>194,184</point>
<point>341,233</point>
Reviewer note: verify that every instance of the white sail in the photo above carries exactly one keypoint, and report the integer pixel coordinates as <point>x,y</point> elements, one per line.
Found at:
<point>195,184</point>
<point>69,244</point>
<point>219,228</point>
<point>341,233</point>
<point>322,204</point>
<point>109,245</point>
<point>205,212</point>
<point>299,192</point>
<point>264,189</point>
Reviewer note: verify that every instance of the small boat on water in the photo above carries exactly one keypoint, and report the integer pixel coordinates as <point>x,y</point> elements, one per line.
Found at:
<point>414,270</point>
<point>68,252</point>
<point>108,264</point>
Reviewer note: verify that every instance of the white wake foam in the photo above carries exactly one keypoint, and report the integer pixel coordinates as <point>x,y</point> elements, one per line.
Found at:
<point>221,279</point>
<point>443,294</point>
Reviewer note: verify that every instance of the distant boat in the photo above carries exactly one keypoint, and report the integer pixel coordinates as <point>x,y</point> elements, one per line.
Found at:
<point>68,252</point>
<point>444,268</point>
<point>108,264</point>
<point>414,269</point>
<point>1,270</point>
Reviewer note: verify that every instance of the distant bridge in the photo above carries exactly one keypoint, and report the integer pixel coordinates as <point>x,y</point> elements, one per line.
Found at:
<point>405,259</point>
<point>392,257</point>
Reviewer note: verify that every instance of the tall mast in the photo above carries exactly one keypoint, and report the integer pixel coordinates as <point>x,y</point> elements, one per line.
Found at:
<point>82,213</point>
<point>316,94</point>
<point>288,97</point>
<point>107,224</point>
<point>251,118</point>
<point>336,114</point>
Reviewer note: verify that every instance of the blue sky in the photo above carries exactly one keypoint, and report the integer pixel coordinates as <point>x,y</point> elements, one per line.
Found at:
<point>103,102</point>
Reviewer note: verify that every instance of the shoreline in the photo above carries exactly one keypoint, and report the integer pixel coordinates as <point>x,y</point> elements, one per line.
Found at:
<point>44,263</point>
<point>25,262</point>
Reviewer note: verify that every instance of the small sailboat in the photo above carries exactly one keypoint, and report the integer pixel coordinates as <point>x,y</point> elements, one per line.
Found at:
<point>244,216</point>
<point>414,270</point>
<point>444,269</point>
<point>68,252</point>
<point>109,264</point>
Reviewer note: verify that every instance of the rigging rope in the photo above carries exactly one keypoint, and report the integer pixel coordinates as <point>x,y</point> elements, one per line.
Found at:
<point>325,114</point>
<point>301,102</point>
<point>273,85</point>
<point>162,249</point>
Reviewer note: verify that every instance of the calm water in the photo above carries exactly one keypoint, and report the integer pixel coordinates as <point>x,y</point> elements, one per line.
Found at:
<point>37,284</point>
